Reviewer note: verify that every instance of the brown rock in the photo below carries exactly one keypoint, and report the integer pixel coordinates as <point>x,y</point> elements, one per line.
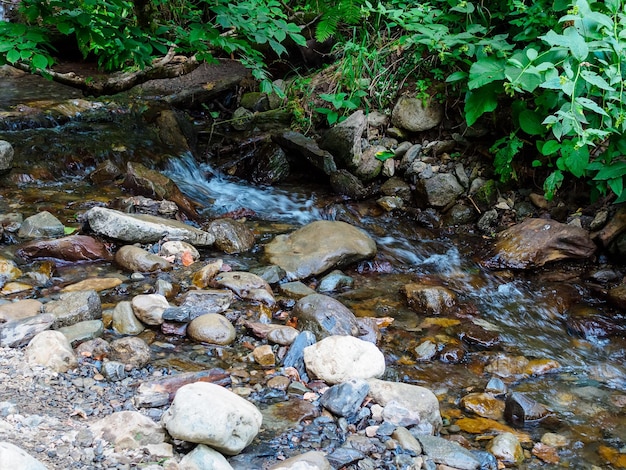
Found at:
<point>97,283</point>
<point>429,300</point>
<point>264,356</point>
<point>231,236</point>
<point>146,182</point>
<point>483,404</point>
<point>72,248</point>
<point>133,258</point>
<point>536,242</point>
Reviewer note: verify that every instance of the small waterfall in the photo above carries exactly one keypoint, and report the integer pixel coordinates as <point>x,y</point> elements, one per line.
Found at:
<point>221,194</point>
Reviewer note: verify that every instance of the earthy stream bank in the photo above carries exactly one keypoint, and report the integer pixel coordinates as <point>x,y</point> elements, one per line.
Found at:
<point>398,313</point>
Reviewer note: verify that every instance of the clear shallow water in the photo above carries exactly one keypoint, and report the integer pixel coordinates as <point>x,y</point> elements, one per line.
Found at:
<point>527,311</point>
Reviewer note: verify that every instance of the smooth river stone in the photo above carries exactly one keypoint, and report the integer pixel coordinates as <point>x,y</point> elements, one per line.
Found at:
<point>51,349</point>
<point>73,248</point>
<point>319,247</point>
<point>212,328</point>
<point>325,316</point>
<point>132,258</point>
<point>149,308</point>
<point>97,283</point>
<point>124,320</point>
<point>20,309</point>
<point>40,225</point>
<point>19,458</point>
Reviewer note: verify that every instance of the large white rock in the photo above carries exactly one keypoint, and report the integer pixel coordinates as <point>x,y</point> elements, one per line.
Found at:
<point>141,228</point>
<point>407,401</point>
<point>206,413</point>
<point>312,460</point>
<point>53,350</point>
<point>337,359</point>
<point>16,458</point>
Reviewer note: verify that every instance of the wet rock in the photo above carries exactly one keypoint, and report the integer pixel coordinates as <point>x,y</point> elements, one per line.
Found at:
<point>6,156</point>
<point>128,430</point>
<point>204,301</point>
<point>343,140</point>
<point>590,323</point>
<point>272,274</point>
<point>546,453</point>
<point>131,351</point>
<point>536,242</point>
<point>369,166</point>
<point>19,458</point>
<point>325,316</point>
<point>426,350</point>
<point>181,252</point>
<point>211,328</point>
<point>295,289</point>
<point>246,286</point>
<point>135,259</point>
<point>149,308</point>
<point>484,193</point>
<point>231,236</point>
<point>506,448</point>
<point>440,190</point>
<point>345,183</point>
<point>496,386</point>
<point>397,187</point>
<point>448,453</point>
<point>520,409</point>
<point>483,404</point>
<point>73,248</point>
<point>97,284</point>
<point>8,270</point>
<point>141,228</point>
<point>507,366</point>
<point>145,182</point>
<point>279,334</point>
<point>429,300</point>
<point>488,221</point>
<point>307,148</point>
<point>337,359</point>
<point>202,457</point>
<point>460,214</point>
<point>105,172</point>
<point>264,355</point>
<point>335,281</point>
<point>614,228</point>
<point>19,332</point>
<point>479,337</point>
<point>295,356</point>
<point>345,399</point>
<point>390,203</point>
<point>41,225</point>
<point>209,414</point>
<point>74,307</point>
<point>124,320</point>
<point>312,460</point>
<point>418,401</point>
<point>83,331</point>
<point>318,247</point>
<point>554,440</point>
<point>416,114</point>
<point>51,349</point>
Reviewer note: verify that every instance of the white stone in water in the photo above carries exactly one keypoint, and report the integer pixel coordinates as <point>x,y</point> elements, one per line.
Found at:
<point>18,458</point>
<point>149,308</point>
<point>209,414</point>
<point>6,155</point>
<point>337,359</point>
<point>51,349</point>
<point>419,401</point>
<point>506,447</point>
<point>204,457</point>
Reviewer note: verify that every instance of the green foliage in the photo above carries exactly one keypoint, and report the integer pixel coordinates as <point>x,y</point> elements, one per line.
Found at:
<point>109,31</point>
<point>340,102</point>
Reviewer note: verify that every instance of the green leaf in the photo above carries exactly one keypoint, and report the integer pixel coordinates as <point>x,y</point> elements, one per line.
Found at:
<point>69,230</point>
<point>13,56</point>
<point>40,61</point>
<point>616,185</point>
<point>595,79</point>
<point>591,105</point>
<point>577,44</point>
<point>478,102</point>
<point>485,71</point>
<point>457,76</point>
<point>616,170</point>
<point>575,158</point>
<point>531,122</point>
<point>552,184</point>
<point>385,155</point>
<point>550,147</point>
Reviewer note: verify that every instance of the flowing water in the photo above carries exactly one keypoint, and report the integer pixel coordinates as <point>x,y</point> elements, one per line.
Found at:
<point>588,391</point>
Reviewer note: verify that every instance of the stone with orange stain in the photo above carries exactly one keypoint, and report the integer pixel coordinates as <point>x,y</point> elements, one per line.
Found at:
<point>483,425</point>
<point>483,404</point>
<point>546,453</point>
<point>442,322</point>
<point>612,456</point>
<point>541,366</point>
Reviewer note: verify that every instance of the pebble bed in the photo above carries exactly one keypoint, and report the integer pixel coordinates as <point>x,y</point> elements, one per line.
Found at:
<point>48,414</point>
